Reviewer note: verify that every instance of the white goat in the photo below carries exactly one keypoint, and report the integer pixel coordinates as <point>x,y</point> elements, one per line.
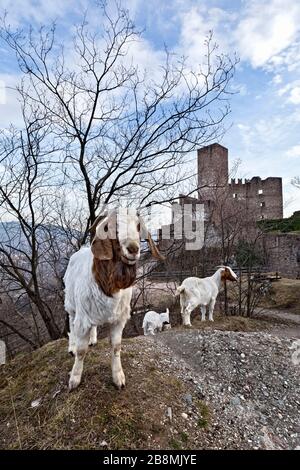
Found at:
<point>154,321</point>
<point>195,291</point>
<point>98,287</point>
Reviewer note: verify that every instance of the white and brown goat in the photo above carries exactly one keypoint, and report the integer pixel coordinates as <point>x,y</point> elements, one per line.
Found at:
<point>195,291</point>
<point>98,287</point>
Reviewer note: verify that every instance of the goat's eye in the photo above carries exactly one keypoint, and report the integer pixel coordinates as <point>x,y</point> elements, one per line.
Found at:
<point>138,227</point>
<point>106,228</point>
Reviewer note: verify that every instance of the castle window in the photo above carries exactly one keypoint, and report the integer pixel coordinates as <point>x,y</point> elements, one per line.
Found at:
<point>260,191</point>
<point>234,195</point>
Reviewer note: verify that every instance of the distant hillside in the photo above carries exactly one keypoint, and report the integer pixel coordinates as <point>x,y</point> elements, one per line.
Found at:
<point>12,234</point>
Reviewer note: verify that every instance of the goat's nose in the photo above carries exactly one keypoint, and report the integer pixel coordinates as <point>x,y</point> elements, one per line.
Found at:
<point>133,248</point>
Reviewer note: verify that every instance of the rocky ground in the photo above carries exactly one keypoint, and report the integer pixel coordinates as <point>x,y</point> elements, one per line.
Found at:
<point>186,389</point>
<point>249,380</point>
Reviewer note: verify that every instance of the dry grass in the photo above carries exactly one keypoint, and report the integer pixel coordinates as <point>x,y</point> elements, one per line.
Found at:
<point>93,413</point>
<point>231,323</point>
<point>284,295</point>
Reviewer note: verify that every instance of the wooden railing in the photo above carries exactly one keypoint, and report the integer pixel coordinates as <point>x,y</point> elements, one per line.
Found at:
<point>256,271</point>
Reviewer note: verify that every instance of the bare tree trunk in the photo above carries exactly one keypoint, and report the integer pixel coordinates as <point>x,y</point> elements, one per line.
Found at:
<point>240,292</point>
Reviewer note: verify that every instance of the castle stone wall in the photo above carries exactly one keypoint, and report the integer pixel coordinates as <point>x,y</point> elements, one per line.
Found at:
<point>263,198</point>
<point>283,252</point>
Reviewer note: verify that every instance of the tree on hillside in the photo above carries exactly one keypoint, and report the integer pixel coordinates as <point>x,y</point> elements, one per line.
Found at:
<point>125,133</point>
<point>29,189</point>
<point>97,130</point>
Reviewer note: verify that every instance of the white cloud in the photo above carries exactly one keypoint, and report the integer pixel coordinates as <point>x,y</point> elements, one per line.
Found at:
<point>142,54</point>
<point>240,88</point>
<point>2,92</point>
<point>295,96</point>
<point>195,24</point>
<point>40,11</point>
<point>9,106</point>
<point>266,29</point>
<point>288,60</point>
<point>285,89</point>
<point>277,79</point>
<point>292,91</point>
<point>293,152</point>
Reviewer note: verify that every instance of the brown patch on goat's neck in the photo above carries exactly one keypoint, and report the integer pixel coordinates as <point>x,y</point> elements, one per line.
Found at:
<point>113,275</point>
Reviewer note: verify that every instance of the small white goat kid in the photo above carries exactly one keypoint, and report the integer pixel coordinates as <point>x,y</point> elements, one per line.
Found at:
<point>98,287</point>
<point>195,291</point>
<point>154,321</point>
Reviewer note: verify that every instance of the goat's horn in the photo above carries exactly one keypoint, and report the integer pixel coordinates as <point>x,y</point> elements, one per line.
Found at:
<point>96,221</point>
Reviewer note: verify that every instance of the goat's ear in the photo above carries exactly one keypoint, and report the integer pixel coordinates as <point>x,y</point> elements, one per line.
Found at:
<point>229,274</point>
<point>102,249</point>
<point>223,274</point>
<point>145,234</point>
<point>105,229</point>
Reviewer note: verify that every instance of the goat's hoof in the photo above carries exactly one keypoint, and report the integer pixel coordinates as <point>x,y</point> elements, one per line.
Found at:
<point>211,319</point>
<point>73,383</point>
<point>72,349</point>
<point>119,380</point>
<point>187,326</point>
<point>120,386</point>
<point>92,343</point>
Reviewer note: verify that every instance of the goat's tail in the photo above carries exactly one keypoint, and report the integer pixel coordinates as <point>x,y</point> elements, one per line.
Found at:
<point>179,290</point>
<point>167,311</point>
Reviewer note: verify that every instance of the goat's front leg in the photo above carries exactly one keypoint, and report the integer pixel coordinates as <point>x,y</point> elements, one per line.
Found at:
<point>93,336</point>
<point>211,309</point>
<point>203,312</point>
<point>81,347</point>
<point>118,376</point>
<point>72,343</point>
<point>186,316</point>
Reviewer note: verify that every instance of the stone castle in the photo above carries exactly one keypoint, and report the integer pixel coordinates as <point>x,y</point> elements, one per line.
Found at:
<point>255,199</point>
<point>261,197</point>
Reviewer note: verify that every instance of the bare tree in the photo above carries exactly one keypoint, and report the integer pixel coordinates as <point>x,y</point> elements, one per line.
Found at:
<point>97,130</point>
<point>28,186</point>
<point>125,134</point>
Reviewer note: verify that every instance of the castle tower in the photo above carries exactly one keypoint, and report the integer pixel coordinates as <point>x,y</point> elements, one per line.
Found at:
<point>212,170</point>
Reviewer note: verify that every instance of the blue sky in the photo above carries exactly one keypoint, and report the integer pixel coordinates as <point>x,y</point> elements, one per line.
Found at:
<point>264,125</point>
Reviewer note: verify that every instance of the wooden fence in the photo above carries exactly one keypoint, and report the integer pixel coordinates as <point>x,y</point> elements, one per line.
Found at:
<point>257,272</point>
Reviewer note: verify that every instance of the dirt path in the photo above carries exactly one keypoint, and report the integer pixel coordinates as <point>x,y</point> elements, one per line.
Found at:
<point>290,328</point>
<point>282,315</point>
